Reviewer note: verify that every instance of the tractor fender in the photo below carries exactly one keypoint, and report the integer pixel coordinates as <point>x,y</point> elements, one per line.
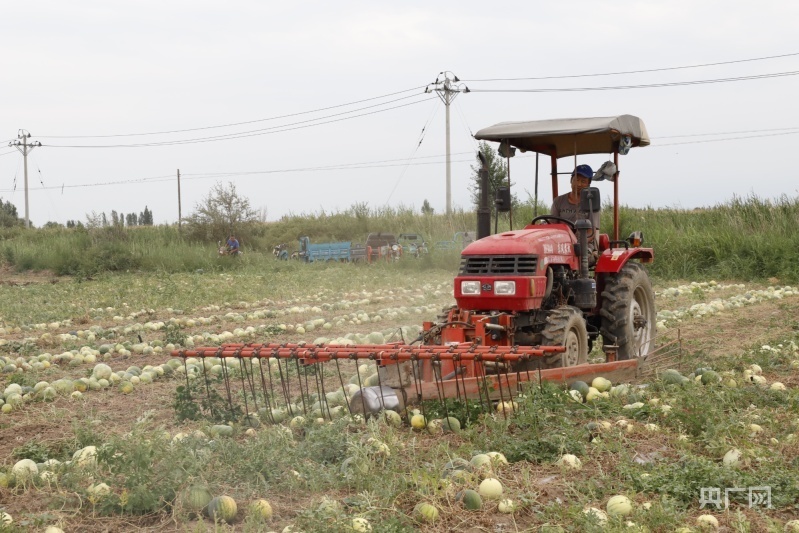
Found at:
<point>612,260</point>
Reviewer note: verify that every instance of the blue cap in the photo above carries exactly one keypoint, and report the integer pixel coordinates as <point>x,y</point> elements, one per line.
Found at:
<point>584,171</point>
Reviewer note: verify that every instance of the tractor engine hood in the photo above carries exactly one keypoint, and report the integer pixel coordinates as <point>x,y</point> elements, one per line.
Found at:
<point>507,271</point>
<point>542,240</point>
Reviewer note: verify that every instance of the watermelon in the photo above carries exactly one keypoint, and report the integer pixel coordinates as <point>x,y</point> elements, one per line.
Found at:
<point>601,384</point>
<point>261,509</point>
<point>580,386</point>
<point>457,464</point>
<point>221,430</point>
<point>619,506</point>
<point>471,500</point>
<point>425,512</point>
<point>196,499</point>
<point>451,424</point>
<point>709,377</point>
<point>490,488</point>
<point>25,469</point>
<point>222,508</point>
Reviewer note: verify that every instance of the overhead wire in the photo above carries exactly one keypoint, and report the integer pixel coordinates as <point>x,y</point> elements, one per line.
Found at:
<point>728,139</point>
<point>387,163</point>
<point>232,124</point>
<point>723,133</point>
<point>253,133</point>
<point>640,86</point>
<point>413,153</point>
<point>41,181</point>
<point>619,73</point>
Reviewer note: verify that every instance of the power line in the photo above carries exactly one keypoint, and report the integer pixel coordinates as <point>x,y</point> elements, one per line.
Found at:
<point>234,123</point>
<point>387,163</point>
<point>638,71</point>
<point>643,86</point>
<point>723,133</point>
<point>728,139</point>
<point>253,133</point>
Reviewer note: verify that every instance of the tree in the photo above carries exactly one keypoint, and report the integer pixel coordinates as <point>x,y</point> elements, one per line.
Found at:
<point>131,219</point>
<point>103,219</point>
<point>497,177</point>
<point>146,217</point>
<point>221,213</point>
<point>8,214</point>
<point>114,218</point>
<point>427,208</point>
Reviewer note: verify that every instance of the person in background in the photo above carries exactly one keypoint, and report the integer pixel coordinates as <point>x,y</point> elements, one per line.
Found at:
<point>232,245</point>
<point>567,206</point>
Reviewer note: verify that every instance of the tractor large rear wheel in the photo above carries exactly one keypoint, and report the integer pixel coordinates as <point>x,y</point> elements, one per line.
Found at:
<point>628,312</point>
<point>566,327</point>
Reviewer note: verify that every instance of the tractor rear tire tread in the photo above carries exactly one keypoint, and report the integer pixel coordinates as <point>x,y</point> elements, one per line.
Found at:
<point>617,297</point>
<point>559,322</point>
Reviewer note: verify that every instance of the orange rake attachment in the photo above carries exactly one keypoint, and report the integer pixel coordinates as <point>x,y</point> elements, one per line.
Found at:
<point>277,381</point>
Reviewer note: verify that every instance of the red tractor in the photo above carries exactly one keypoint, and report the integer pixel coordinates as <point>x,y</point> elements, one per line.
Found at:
<point>530,303</point>
<point>539,286</point>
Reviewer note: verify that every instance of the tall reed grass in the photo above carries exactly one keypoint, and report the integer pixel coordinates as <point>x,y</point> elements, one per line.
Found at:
<point>745,238</point>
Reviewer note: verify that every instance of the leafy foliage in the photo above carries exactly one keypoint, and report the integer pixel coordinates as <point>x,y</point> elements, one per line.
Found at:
<point>198,400</point>
<point>221,213</point>
<point>8,214</point>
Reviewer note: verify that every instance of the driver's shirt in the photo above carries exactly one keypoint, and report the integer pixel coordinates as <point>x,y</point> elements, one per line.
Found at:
<point>562,208</point>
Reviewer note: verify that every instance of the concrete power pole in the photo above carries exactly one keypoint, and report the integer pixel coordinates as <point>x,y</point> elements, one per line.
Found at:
<point>446,89</point>
<point>25,149</point>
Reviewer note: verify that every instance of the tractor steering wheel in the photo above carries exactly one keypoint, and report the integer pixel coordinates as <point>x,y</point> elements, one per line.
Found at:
<point>547,218</point>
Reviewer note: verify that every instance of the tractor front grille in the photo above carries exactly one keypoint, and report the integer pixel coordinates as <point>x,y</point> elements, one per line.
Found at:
<point>498,265</point>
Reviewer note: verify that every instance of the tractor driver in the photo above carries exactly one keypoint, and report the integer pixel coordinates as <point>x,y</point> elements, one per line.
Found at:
<point>567,206</point>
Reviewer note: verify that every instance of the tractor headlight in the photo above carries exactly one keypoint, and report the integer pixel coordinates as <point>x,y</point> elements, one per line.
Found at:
<point>505,288</point>
<point>470,287</point>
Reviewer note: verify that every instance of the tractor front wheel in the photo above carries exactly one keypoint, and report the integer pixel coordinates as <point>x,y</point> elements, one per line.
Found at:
<point>566,327</point>
<point>628,312</point>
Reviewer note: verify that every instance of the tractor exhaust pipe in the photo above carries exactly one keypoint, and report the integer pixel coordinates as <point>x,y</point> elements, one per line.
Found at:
<point>483,211</point>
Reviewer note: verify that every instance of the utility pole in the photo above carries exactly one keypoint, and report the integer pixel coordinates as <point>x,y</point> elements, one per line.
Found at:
<point>180,217</point>
<point>446,89</point>
<point>25,149</point>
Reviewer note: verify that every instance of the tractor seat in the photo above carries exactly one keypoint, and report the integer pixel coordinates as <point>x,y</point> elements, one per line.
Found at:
<point>604,242</point>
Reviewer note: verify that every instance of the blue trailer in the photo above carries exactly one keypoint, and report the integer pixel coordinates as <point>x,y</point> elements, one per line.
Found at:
<point>329,251</point>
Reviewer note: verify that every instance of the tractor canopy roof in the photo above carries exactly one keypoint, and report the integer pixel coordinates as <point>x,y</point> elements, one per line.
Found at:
<point>568,136</point>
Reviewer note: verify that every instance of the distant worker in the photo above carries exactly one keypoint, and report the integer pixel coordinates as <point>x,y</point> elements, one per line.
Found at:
<point>567,206</point>
<point>232,246</point>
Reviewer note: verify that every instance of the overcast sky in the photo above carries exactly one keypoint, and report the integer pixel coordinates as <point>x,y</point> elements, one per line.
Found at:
<point>76,69</point>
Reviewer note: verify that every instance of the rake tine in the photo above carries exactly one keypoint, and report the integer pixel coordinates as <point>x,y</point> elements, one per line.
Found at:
<point>207,386</point>
<point>404,414</point>
<point>226,379</point>
<point>440,388</point>
<point>457,365</point>
<point>299,380</point>
<point>341,380</point>
<point>242,367</point>
<point>380,387</point>
<point>498,360</point>
<point>321,382</point>
<point>251,376</point>
<point>283,380</point>
<point>307,390</point>
<point>481,373</point>
<point>267,401</point>
<point>417,385</point>
<point>465,397</point>
<point>360,385</point>
<point>186,371</point>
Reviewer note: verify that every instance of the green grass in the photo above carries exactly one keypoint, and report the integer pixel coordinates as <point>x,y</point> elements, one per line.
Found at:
<point>746,238</point>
